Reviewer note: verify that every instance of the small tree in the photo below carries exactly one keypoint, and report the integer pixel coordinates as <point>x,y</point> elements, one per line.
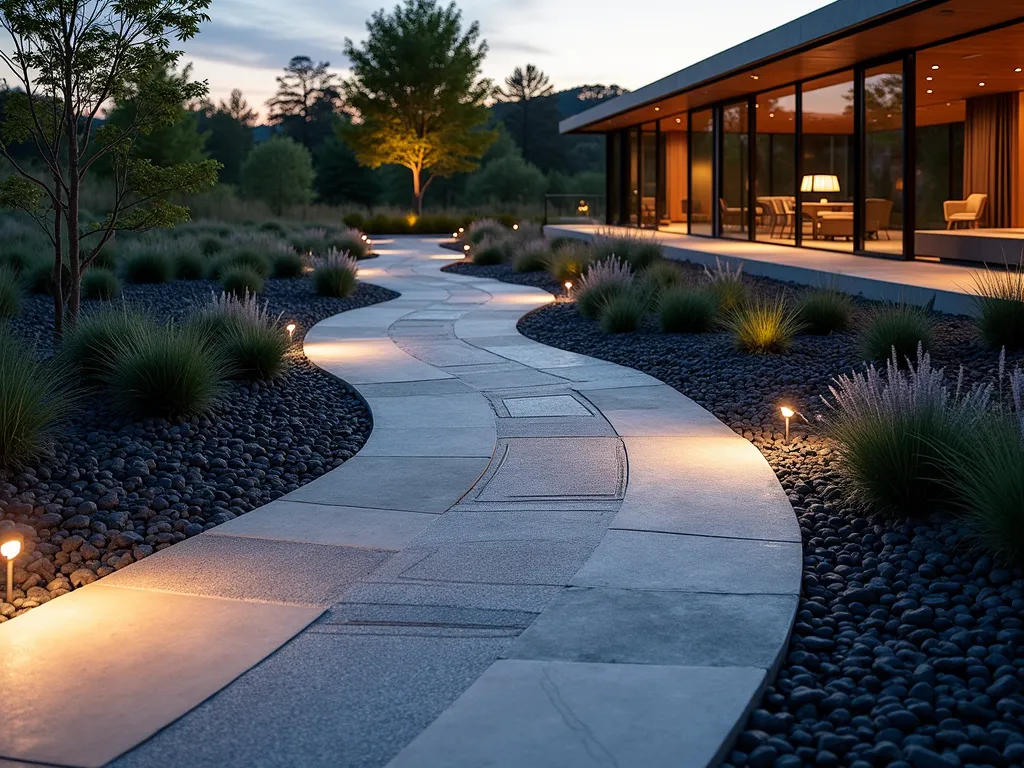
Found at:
<point>278,172</point>
<point>238,109</point>
<point>508,179</point>
<point>69,59</point>
<point>417,93</point>
<point>522,87</point>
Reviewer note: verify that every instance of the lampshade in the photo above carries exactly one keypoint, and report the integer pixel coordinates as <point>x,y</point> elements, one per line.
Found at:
<point>820,183</point>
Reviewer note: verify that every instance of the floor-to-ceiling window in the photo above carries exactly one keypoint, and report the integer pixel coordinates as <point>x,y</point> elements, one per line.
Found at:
<point>775,181</point>
<point>734,204</point>
<point>827,181</point>
<point>702,152</point>
<point>675,170</point>
<point>649,176</point>
<point>882,218</point>
<point>633,188</point>
<point>614,176</point>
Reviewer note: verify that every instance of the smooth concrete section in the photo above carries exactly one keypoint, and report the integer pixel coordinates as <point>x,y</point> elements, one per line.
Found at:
<point>912,282</point>
<point>106,667</point>
<point>534,561</point>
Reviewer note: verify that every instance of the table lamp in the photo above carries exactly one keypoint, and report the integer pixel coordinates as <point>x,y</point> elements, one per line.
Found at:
<point>820,182</point>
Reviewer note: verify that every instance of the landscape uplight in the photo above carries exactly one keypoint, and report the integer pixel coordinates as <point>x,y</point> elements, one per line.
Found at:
<point>787,414</point>
<point>461,230</point>
<point>568,286</point>
<point>291,330</point>
<point>515,227</point>
<point>10,549</point>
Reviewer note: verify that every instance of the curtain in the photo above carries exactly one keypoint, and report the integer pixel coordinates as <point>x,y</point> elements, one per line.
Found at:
<point>675,173</point>
<point>990,137</point>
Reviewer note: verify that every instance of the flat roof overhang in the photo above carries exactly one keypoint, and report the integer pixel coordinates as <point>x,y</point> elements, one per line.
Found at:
<point>830,39</point>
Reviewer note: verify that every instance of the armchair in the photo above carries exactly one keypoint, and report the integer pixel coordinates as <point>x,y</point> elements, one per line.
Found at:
<point>967,212</point>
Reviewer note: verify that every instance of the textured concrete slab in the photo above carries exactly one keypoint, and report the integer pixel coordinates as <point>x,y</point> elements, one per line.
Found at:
<point>405,388</point>
<point>537,355</point>
<point>251,569</point>
<point>368,361</point>
<point>516,597</point>
<point>545,405</point>
<point>431,411</point>
<point>556,715</point>
<point>334,526</point>
<point>533,469</point>
<point>554,426</point>
<point>655,412</point>
<point>709,486</point>
<point>625,626</point>
<point>409,483</point>
<point>524,377</point>
<point>665,561</point>
<point>151,653</point>
<point>450,352</point>
<point>325,700</point>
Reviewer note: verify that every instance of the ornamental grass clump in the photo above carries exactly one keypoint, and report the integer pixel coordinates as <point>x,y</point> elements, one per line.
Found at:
<point>763,326</point>
<point>898,328</point>
<point>999,297</point>
<point>898,431</point>
<point>987,476</point>
<point>603,280</point>
<point>10,293</point>
<point>252,257</point>
<point>34,401</point>
<point>190,265</point>
<point>531,255</point>
<point>91,347</point>
<point>240,280</point>
<point>252,340</point>
<point>726,284</point>
<point>288,264</point>
<point>334,275</point>
<point>824,311</point>
<point>623,312</point>
<point>570,261</point>
<point>148,262</point>
<point>687,309</point>
<point>167,371</point>
<point>100,284</point>
<point>661,276</point>
<point>350,240</point>
<point>486,228</point>
<point>638,251</point>
<point>490,252</point>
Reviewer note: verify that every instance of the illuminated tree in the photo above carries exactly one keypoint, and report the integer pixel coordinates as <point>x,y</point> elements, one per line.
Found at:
<point>417,93</point>
<point>68,60</point>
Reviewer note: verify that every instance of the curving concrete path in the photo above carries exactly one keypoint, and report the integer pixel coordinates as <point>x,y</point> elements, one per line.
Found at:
<point>538,559</point>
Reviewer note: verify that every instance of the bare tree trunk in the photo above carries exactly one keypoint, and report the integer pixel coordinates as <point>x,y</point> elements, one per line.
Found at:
<point>417,192</point>
<point>58,263</point>
<point>74,247</point>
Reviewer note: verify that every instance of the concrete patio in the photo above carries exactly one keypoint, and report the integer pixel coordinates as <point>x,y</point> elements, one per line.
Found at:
<point>538,559</point>
<point>886,279</point>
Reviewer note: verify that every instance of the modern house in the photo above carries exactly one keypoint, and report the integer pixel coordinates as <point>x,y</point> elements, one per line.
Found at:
<point>882,127</point>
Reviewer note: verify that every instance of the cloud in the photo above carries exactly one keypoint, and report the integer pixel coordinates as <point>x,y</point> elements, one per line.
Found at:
<point>257,46</point>
<point>500,44</point>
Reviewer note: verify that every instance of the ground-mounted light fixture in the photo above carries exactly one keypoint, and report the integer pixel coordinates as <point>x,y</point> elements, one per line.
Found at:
<point>465,250</point>
<point>583,208</point>
<point>568,287</point>
<point>291,330</point>
<point>515,227</point>
<point>787,413</point>
<point>462,230</point>
<point>10,549</point>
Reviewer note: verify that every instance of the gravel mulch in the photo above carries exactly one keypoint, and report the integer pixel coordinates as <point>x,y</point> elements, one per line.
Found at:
<point>115,491</point>
<point>908,649</point>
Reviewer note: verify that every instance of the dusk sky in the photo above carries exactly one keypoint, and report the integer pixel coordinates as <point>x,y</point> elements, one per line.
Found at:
<point>575,41</point>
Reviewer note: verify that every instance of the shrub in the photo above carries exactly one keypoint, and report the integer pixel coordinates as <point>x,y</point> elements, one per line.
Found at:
<point>999,297</point>
<point>763,326</point>
<point>10,293</point>
<point>34,401</point>
<point>107,256</point>
<point>897,327</point>
<point>167,371</point>
<point>638,251</point>
<point>726,285</point>
<point>287,264</point>
<point>19,256</point>
<point>240,280</point>
<point>100,284</point>
<point>274,227</point>
<point>893,429</point>
<point>622,312</point>
<point>824,311</point>
<point>687,309</point>
<point>38,276</point>
<point>210,245</point>
<point>229,310</point>
<point>190,265</point>
<point>148,263</point>
<point>254,350</point>
<point>570,261</point>
<point>318,241</point>
<point>488,253</point>
<point>532,256</point>
<point>335,275</point>
<point>661,276</point>
<point>484,228</point>
<point>278,172</point>
<point>90,348</point>
<point>603,280</point>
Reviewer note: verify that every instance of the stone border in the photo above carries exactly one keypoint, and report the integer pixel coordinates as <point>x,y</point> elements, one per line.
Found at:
<point>654,548</point>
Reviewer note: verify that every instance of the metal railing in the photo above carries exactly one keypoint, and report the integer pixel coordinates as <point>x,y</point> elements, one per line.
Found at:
<point>574,209</point>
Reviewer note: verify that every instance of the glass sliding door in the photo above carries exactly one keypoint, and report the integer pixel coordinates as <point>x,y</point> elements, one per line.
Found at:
<point>882,225</point>
<point>702,153</point>
<point>734,204</point>
<point>826,186</point>
<point>775,181</point>
<point>675,169</point>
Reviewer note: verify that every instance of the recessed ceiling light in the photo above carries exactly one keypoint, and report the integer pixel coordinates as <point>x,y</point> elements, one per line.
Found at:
<point>679,119</point>
<point>771,114</point>
<point>935,66</point>
<point>982,85</point>
<point>754,77</point>
<point>657,109</point>
<point>930,91</point>
<point>929,78</point>
<point>1018,69</point>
